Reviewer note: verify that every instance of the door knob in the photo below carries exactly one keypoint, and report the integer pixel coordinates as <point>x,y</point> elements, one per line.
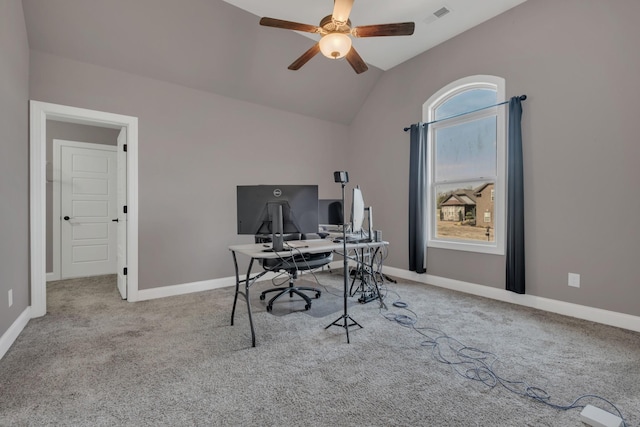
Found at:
<point>115,220</point>
<point>66,218</point>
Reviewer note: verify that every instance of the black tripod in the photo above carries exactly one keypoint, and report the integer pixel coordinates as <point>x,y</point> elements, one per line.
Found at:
<point>345,320</point>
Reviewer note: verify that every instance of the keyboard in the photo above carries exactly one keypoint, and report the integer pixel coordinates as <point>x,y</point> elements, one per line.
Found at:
<point>295,244</point>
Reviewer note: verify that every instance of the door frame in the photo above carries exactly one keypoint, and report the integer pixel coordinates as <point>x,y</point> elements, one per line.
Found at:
<point>39,113</point>
<point>56,273</point>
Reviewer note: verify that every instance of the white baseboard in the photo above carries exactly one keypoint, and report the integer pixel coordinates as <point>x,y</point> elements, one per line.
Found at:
<point>187,288</point>
<point>606,317</point>
<point>52,276</point>
<point>9,337</point>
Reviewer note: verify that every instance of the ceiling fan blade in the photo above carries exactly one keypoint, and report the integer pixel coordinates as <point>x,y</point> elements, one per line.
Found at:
<point>342,10</point>
<point>398,29</point>
<point>305,57</point>
<point>288,25</point>
<point>356,62</point>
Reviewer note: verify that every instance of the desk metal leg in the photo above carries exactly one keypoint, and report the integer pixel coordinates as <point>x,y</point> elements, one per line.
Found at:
<point>357,273</point>
<point>247,284</point>
<point>235,298</point>
<point>375,279</point>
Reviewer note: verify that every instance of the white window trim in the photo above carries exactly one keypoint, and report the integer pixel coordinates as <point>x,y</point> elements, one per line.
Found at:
<point>496,247</point>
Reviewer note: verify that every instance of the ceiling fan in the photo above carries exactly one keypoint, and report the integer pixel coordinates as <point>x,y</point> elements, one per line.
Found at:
<point>335,30</point>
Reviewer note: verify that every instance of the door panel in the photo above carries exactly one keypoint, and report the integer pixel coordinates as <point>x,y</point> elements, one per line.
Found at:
<point>88,205</point>
<point>90,253</point>
<point>98,187</point>
<point>90,231</point>
<point>90,208</point>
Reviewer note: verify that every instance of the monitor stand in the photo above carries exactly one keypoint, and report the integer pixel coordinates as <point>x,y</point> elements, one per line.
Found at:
<point>277,239</point>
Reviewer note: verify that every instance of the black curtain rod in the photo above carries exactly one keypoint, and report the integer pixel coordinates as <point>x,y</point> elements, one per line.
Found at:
<point>522,98</point>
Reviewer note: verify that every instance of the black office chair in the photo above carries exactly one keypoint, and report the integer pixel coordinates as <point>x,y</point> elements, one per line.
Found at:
<point>292,265</point>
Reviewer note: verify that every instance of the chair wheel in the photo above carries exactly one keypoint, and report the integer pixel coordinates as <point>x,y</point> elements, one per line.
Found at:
<point>262,297</point>
<point>269,308</point>
<point>307,307</point>
<point>318,294</point>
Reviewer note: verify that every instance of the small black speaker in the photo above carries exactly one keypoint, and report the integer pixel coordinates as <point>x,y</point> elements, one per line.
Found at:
<point>341,176</point>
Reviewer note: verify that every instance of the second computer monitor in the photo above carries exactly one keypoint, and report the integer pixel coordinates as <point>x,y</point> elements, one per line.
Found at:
<point>330,212</point>
<point>357,210</point>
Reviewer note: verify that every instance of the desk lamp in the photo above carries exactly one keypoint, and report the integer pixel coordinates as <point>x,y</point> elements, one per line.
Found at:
<point>345,320</point>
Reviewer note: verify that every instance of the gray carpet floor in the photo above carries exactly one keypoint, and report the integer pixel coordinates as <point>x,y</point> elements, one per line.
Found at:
<point>95,360</point>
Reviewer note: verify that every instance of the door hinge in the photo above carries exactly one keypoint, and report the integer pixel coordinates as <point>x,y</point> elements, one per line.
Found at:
<point>124,147</point>
<point>124,271</point>
<point>124,209</point>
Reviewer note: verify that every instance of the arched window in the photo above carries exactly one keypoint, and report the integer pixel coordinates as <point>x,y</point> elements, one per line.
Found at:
<point>466,162</point>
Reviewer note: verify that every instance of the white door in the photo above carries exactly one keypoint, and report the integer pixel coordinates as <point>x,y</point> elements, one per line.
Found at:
<point>88,205</point>
<point>121,215</point>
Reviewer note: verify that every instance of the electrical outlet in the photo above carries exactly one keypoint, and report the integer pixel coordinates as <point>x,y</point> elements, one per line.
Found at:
<point>574,280</point>
<point>10,297</point>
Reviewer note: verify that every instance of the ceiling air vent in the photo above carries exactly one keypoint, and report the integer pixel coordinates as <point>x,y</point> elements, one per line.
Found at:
<point>441,12</point>
<point>437,15</point>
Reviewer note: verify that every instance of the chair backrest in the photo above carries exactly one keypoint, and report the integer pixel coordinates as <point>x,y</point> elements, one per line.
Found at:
<point>298,262</point>
<point>311,236</point>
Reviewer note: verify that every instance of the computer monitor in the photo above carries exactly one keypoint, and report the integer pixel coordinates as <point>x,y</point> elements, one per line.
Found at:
<point>357,210</point>
<point>277,209</point>
<point>330,212</point>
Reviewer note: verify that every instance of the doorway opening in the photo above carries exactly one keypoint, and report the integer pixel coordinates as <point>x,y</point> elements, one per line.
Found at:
<point>127,256</point>
<point>96,174</point>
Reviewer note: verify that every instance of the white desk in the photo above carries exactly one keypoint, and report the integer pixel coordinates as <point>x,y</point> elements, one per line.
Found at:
<point>256,251</point>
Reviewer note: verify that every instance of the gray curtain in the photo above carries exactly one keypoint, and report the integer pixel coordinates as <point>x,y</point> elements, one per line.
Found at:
<point>417,201</point>
<point>515,200</point>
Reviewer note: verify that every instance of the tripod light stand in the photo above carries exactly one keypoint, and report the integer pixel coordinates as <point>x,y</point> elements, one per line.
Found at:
<point>345,320</point>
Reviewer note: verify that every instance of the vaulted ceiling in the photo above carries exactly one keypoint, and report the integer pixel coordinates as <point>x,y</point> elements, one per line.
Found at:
<point>213,46</point>
<point>435,21</point>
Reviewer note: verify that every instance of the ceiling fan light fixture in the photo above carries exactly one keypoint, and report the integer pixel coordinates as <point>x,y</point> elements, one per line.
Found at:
<point>335,45</point>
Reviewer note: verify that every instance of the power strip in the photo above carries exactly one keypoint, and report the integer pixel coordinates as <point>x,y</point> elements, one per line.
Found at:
<point>597,417</point>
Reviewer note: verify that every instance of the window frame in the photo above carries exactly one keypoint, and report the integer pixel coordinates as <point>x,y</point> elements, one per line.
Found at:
<point>496,247</point>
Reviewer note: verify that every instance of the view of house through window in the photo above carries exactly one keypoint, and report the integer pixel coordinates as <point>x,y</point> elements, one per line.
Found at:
<point>466,212</point>
<point>466,165</point>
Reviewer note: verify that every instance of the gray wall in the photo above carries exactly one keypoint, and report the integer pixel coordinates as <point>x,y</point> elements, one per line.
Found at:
<point>69,132</point>
<point>579,64</point>
<point>14,162</point>
<point>194,148</point>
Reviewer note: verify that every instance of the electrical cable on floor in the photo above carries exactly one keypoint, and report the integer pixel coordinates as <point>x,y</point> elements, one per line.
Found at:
<point>278,275</point>
<point>475,364</point>
<point>327,290</point>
